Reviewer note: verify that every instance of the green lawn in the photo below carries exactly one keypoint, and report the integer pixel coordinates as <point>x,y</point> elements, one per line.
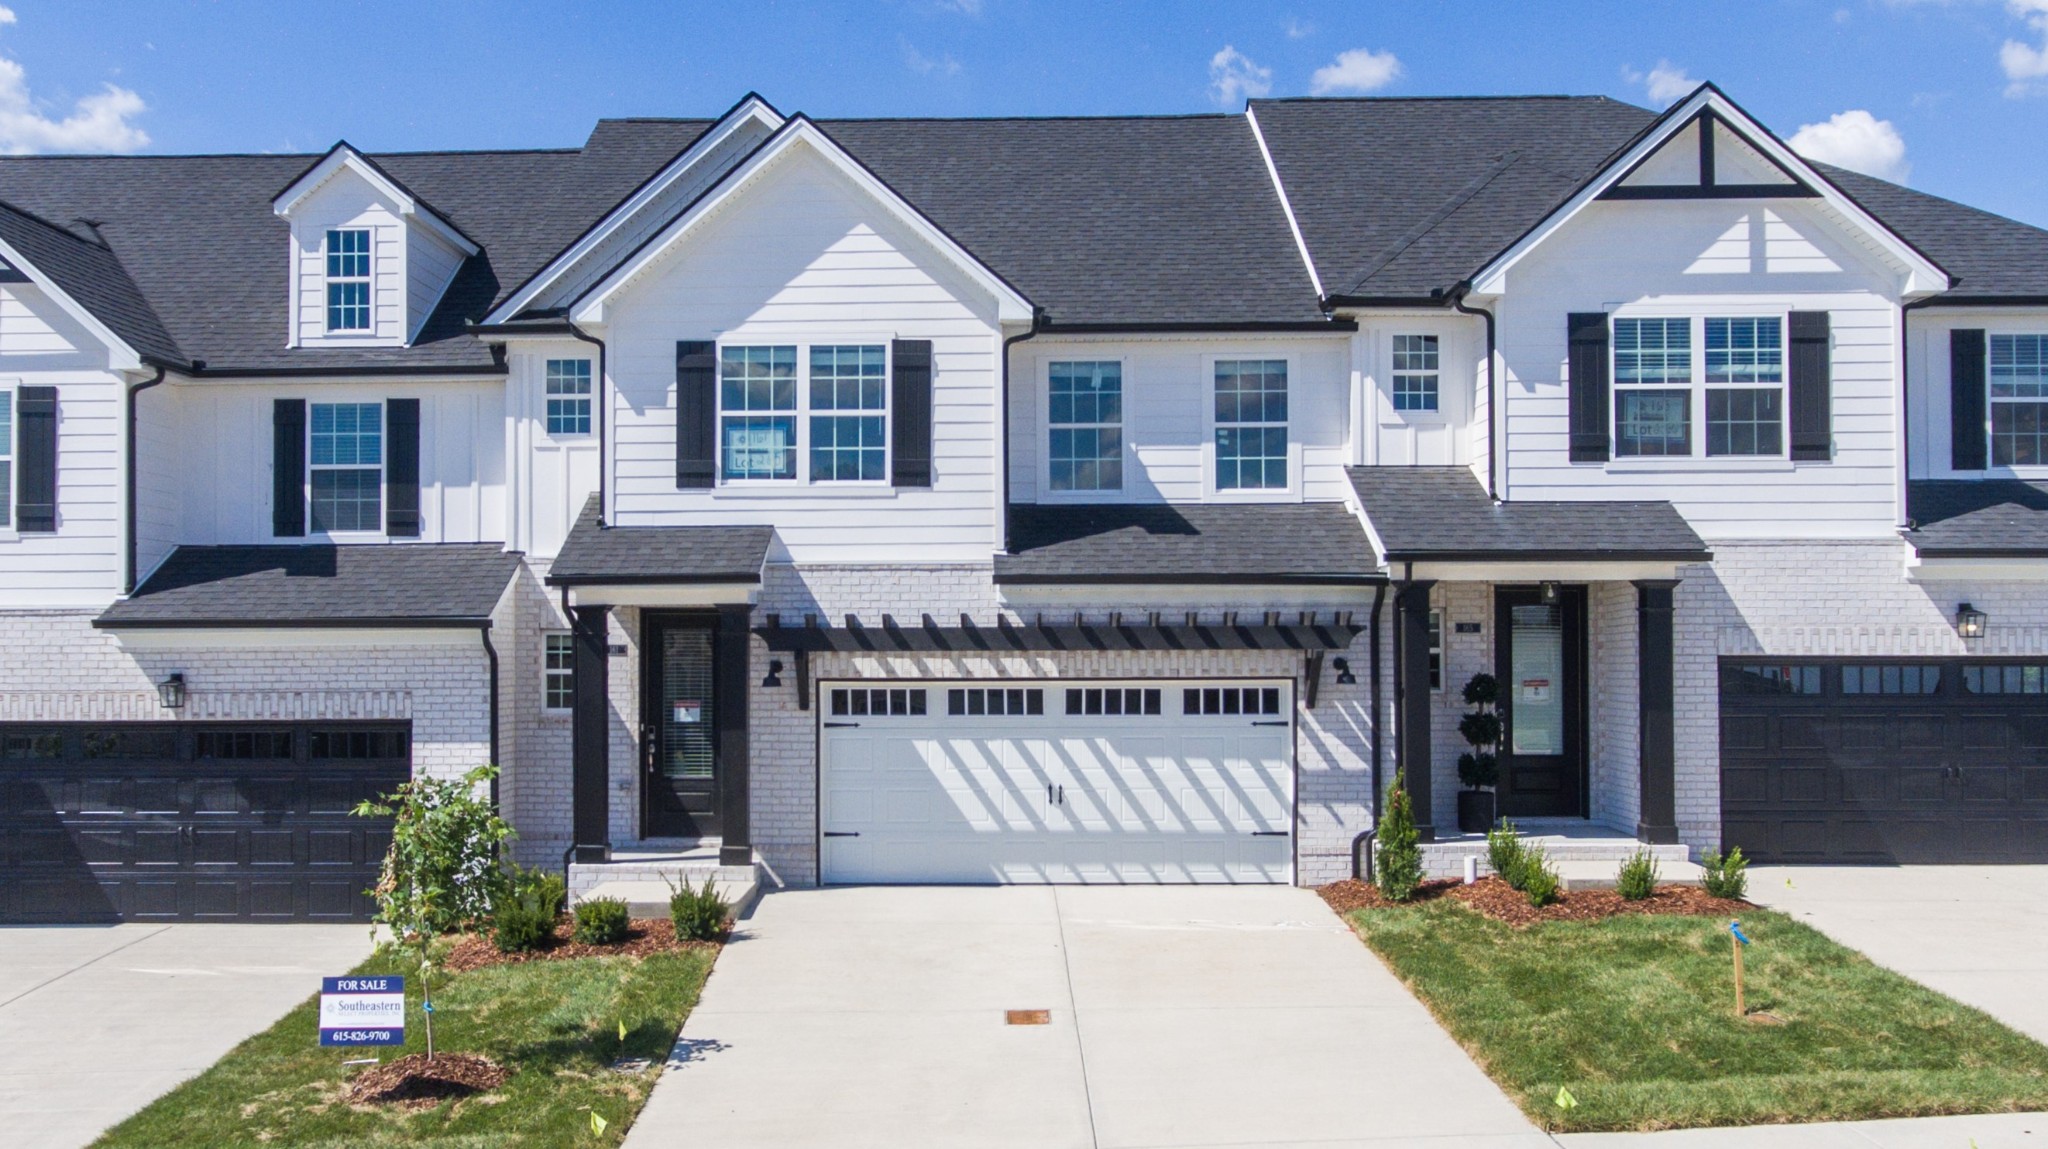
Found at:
<point>554,1024</point>
<point>1635,1016</point>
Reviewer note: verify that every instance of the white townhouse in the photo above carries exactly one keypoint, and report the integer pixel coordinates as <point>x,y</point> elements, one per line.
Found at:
<point>1032,500</point>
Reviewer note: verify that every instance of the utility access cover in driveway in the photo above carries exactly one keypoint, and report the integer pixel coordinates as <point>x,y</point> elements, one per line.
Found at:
<point>1174,1016</point>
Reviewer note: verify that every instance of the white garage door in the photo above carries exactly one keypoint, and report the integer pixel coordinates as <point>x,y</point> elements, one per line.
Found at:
<point>1146,781</point>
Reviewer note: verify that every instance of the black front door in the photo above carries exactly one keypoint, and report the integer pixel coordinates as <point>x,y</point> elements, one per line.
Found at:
<point>679,732</point>
<point>1540,658</point>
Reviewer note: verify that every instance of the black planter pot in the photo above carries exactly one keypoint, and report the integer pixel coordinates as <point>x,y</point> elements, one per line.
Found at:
<point>1475,811</point>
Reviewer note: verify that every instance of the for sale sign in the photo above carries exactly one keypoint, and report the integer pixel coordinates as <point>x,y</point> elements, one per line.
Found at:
<point>362,1011</point>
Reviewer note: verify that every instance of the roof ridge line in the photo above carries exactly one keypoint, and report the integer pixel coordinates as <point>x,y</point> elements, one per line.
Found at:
<point>1436,218</point>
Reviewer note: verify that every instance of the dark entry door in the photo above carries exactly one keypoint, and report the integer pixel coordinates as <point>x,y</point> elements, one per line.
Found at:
<point>1540,658</point>
<point>679,741</point>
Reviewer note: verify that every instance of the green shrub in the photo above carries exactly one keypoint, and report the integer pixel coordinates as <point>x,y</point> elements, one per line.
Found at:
<point>1478,768</point>
<point>601,921</point>
<point>1638,877</point>
<point>1725,876</point>
<point>700,915</point>
<point>526,910</point>
<point>1539,882</point>
<point>1505,853</point>
<point>1398,861</point>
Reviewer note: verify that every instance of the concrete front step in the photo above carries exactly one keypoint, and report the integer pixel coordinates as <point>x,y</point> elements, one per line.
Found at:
<point>1604,875</point>
<point>1589,856</point>
<point>649,899</point>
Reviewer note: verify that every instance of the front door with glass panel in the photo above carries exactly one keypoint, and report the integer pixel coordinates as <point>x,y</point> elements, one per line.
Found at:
<point>679,739</point>
<point>1540,659</point>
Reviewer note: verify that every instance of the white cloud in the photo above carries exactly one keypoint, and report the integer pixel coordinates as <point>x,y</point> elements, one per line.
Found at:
<point>1358,70</point>
<point>1233,77</point>
<point>924,65</point>
<point>97,123</point>
<point>2026,65</point>
<point>1298,29</point>
<point>1856,140</point>
<point>1665,83</point>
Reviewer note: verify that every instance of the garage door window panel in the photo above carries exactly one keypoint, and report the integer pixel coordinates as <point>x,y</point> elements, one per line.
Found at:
<point>2005,679</point>
<point>1890,678</point>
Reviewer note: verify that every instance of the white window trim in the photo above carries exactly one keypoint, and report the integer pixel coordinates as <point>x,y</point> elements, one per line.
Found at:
<point>1118,494</point>
<point>368,280</point>
<point>547,672</point>
<point>1291,493</point>
<point>383,469</point>
<point>1697,388</point>
<point>10,531</point>
<point>802,480</point>
<point>589,397</point>
<point>2001,470</point>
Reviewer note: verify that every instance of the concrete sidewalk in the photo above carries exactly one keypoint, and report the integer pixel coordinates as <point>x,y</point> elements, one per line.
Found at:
<point>1992,1131</point>
<point>98,1021</point>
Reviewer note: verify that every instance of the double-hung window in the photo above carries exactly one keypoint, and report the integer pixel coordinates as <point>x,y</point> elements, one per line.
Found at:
<point>348,279</point>
<point>1652,387</point>
<point>347,466</point>
<point>568,396</point>
<point>1745,386</point>
<point>1251,424</point>
<point>1085,426</point>
<point>558,671</point>
<point>2019,400</point>
<point>6,458</point>
<point>849,401</point>
<point>757,412</point>
<point>1415,372</point>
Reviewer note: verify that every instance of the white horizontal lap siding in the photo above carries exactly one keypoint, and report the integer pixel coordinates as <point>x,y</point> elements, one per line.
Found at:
<point>1705,258</point>
<point>348,201</point>
<point>430,265</point>
<point>223,481</point>
<point>800,257</point>
<point>1928,395</point>
<point>1168,395</point>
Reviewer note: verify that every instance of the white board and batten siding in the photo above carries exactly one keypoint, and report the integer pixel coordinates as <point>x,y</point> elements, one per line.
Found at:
<point>80,564</point>
<point>552,475</point>
<point>224,436</point>
<point>1452,435</point>
<point>1168,416</point>
<point>801,258</point>
<point>1711,258</point>
<point>1930,426</point>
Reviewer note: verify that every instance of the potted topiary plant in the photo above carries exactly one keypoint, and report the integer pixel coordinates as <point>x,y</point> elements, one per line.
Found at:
<point>1479,767</point>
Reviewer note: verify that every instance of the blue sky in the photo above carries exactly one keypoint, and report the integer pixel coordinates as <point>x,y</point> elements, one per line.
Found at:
<point>1949,95</point>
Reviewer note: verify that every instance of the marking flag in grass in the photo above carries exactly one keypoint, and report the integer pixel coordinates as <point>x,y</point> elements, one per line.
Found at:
<point>1736,929</point>
<point>597,1124</point>
<point>622,1029</point>
<point>1565,1100</point>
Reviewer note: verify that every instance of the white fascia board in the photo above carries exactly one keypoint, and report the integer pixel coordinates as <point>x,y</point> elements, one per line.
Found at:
<point>1921,276</point>
<point>1092,599</point>
<point>752,110</point>
<point>665,594</point>
<point>1525,572</point>
<point>120,356</point>
<point>1011,307</point>
<point>1962,569</point>
<point>1286,206</point>
<point>289,638</point>
<point>344,156</point>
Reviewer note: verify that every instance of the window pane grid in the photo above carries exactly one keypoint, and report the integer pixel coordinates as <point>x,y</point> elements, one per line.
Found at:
<point>1415,372</point>
<point>348,306</point>
<point>1744,421</point>
<point>6,458</point>
<point>2019,370</point>
<point>2019,367</point>
<point>758,379</point>
<point>1251,456</point>
<point>1653,422</point>
<point>558,681</point>
<point>1651,351</point>
<point>348,274</point>
<point>1085,444</point>
<point>568,392</point>
<point>1745,351</point>
<point>849,448</point>
<point>347,441</point>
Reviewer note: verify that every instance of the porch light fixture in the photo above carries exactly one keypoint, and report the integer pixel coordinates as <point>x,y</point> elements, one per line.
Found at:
<point>1550,594</point>
<point>1344,675</point>
<point>171,692</point>
<point>774,673</point>
<point>1970,621</point>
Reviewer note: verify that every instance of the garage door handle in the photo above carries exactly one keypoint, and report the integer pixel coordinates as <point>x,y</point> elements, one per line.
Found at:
<point>840,725</point>
<point>1269,833</point>
<point>1281,723</point>
<point>842,833</point>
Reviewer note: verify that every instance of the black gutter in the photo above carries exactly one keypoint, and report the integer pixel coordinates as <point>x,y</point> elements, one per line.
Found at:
<point>1435,299</point>
<point>1551,556</point>
<point>1003,420</point>
<point>1978,301</point>
<point>1379,737</point>
<point>128,559</point>
<point>569,580</point>
<point>603,400</point>
<point>1189,578</point>
<point>1979,553</point>
<point>496,367</point>
<point>105,623</point>
<point>491,653</point>
<point>1220,326</point>
<point>1493,403</point>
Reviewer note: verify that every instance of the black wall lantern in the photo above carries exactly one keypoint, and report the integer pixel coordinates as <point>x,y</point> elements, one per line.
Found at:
<point>774,673</point>
<point>1970,621</point>
<point>1343,668</point>
<point>171,692</point>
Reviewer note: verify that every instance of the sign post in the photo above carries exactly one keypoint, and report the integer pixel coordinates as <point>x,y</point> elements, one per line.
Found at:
<point>362,1011</point>
<point>1738,940</point>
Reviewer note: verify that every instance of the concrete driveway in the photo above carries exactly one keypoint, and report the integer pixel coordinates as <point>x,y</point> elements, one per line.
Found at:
<point>1976,933</point>
<point>98,1021</point>
<point>1177,1017</point>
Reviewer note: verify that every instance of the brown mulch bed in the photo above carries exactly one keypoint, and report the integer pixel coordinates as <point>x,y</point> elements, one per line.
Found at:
<point>644,936</point>
<point>413,1082</point>
<point>1502,902</point>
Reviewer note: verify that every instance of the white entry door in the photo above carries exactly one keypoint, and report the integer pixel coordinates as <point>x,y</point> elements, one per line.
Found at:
<point>1055,781</point>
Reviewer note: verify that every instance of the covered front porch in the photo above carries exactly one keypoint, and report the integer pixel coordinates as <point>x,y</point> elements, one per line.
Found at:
<point>1568,607</point>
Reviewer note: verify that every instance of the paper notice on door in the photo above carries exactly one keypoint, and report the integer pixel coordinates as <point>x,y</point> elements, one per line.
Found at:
<point>689,711</point>
<point>1536,690</point>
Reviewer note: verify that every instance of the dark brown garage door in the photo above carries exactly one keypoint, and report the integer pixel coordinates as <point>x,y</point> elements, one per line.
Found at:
<point>1921,760</point>
<point>177,822</point>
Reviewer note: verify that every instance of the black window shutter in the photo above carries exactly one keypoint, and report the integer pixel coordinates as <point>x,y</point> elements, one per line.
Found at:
<point>1811,408</point>
<point>910,416</point>
<point>696,413</point>
<point>402,468</point>
<point>288,468</point>
<point>35,500</point>
<point>1966,400</point>
<point>1588,388</point>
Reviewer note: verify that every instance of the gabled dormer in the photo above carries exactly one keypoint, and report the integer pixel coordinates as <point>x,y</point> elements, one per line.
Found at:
<point>369,259</point>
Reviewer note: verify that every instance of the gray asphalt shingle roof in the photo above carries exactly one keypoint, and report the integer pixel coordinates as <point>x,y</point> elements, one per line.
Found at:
<point>1310,543</point>
<point>1980,518</point>
<point>597,554</point>
<point>408,584</point>
<point>1444,514</point>
<point>88,272</point>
